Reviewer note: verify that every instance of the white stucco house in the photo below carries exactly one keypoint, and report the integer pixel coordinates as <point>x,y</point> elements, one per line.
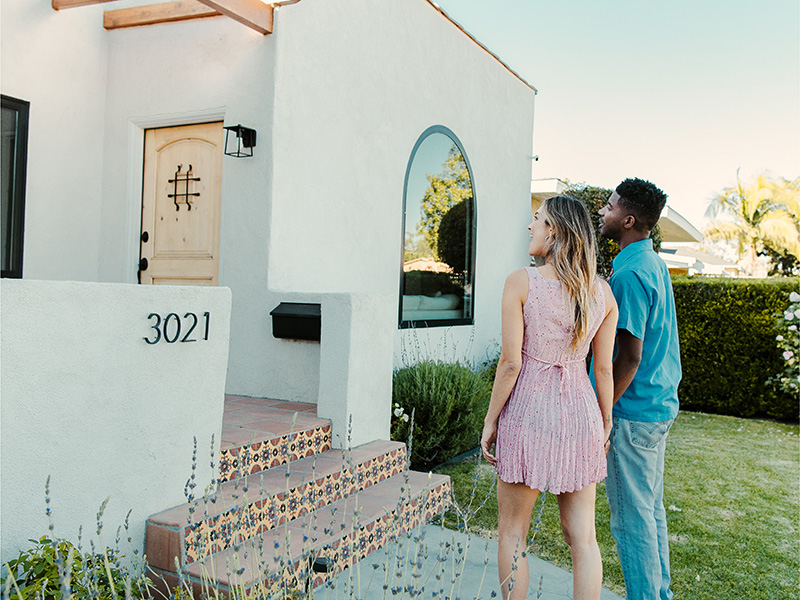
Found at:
<point>340,117</point>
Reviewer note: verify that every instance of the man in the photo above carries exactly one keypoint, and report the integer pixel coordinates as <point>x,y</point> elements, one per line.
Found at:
<point>647,371</point>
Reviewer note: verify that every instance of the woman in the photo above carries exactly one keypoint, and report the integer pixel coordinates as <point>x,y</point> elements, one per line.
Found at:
<point>549,427</point>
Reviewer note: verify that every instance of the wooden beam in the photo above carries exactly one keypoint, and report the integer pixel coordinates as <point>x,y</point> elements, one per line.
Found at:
<point>59,4</point>
<point>252,13</point>
<point>166,12</point>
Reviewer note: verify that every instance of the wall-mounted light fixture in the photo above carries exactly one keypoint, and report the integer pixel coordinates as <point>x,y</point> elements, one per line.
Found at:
<point>239,141</point>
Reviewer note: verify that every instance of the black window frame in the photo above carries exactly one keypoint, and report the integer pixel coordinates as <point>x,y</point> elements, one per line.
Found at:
<point>425,323</point>
<point>16,225</point>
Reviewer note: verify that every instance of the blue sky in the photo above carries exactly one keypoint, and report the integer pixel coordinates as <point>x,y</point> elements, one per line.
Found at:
<point>680,92</point>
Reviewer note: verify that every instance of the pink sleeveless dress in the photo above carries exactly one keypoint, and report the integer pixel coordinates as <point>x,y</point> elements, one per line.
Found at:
<point>550,431</point>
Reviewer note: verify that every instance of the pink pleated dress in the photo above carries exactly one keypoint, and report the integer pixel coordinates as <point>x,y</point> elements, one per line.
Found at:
<point>550,431</point>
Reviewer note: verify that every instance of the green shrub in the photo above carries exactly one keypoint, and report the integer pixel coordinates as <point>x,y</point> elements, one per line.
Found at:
<point>448,401</point>
<point>39,573</point>
<point>727,330</point>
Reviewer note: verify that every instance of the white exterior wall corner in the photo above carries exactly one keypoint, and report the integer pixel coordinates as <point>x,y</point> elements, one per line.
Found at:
<point>356,366</point>
<point>56,60</point>
<point>356,84</point>
<point>86,401</point>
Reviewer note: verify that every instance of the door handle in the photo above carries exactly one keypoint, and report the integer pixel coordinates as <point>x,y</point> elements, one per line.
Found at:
<point>143,265</point>
<point>145,237</point>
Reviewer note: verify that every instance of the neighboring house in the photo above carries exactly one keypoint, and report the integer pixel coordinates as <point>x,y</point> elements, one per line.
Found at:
<point>690,261</point>
<point>334,115</point>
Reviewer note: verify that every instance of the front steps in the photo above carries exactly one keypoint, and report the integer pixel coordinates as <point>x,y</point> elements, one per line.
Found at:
<point>286,499</point>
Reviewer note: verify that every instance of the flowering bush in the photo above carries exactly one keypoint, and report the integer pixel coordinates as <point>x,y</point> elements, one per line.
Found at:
<point>789,343</point>
<point>399,415</point>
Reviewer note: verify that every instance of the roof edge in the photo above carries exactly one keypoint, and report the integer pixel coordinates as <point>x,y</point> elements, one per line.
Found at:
<point>474,39</point>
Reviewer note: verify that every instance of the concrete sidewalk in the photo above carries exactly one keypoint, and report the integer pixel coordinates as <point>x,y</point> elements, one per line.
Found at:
<point>478,577</point>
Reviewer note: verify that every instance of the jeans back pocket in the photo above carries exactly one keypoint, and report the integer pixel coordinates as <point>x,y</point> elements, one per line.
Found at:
<point>648,435</point>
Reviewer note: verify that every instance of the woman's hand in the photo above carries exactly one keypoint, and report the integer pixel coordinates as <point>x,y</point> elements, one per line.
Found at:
<point>607,437</point>
<point>488,438</point>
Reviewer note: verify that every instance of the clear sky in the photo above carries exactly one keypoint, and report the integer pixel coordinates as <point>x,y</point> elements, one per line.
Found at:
<point>680,92</point>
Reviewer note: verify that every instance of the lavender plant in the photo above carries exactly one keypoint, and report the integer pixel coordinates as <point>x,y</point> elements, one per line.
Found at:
<point>262,567</point>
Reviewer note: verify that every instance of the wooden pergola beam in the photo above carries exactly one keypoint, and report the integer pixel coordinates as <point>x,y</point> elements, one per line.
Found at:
<point>60,4</point>
<point>252,13</point>
<point>166,12</point>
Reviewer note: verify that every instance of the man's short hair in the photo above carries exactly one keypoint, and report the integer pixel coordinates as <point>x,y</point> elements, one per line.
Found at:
<point>643,199</point>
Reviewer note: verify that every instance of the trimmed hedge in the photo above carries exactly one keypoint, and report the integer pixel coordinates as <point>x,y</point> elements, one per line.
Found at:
<point>727,330</point>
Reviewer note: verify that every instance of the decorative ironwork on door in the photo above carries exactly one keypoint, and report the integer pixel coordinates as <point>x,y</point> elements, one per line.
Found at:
<point>184,179</point>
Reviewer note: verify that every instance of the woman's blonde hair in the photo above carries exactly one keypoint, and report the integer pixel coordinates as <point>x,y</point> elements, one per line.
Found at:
<point>573,255</point>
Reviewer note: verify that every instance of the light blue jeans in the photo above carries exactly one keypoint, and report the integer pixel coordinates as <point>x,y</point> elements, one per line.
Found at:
<point>635,490</point>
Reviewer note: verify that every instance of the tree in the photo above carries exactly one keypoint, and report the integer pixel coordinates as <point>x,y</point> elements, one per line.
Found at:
<point>762,217</point>
<point>446,189</point>
<point>453,243</point>
<point>593,198</point>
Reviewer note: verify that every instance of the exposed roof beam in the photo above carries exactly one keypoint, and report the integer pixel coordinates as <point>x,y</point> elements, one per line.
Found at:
<point>179,10</point>
<point>252,13</point>
<point>59,4</point>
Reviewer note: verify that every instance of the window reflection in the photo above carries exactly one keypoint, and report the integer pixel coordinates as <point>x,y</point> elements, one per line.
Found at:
<point>439,234</point>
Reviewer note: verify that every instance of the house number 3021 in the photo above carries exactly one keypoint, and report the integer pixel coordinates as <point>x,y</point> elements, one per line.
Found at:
<point>169,328</point>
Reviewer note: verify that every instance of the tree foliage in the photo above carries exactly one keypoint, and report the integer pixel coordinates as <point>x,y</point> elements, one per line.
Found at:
<point>762,217</point>
<point>445,190</point>
<point>452,243</point>
<point>593,198</point>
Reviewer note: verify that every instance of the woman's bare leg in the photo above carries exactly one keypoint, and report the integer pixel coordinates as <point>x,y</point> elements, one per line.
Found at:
<point>515,503</point>
<point>577,523</point>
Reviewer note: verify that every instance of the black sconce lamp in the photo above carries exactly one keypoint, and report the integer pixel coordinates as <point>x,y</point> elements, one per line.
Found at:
<point>239,141</point>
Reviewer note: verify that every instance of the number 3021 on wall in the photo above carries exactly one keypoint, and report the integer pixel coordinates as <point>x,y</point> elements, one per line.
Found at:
<point>169,328</point>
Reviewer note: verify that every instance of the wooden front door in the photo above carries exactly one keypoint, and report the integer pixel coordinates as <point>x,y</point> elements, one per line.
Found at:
<point>181,205</point>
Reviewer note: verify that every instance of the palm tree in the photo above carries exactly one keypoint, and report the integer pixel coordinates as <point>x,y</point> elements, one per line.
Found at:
<point>764,213</point>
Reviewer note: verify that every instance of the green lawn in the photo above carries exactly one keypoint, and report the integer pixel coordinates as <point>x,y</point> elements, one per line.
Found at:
<point>732,488</point>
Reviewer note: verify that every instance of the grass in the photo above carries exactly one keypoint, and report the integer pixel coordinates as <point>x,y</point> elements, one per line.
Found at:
<point>732,488</point>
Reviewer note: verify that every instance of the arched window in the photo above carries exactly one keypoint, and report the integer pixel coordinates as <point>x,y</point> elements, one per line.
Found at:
<point>439,232</point>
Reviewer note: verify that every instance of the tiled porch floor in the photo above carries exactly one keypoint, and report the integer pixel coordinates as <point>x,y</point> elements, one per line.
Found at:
<point>256,419</point>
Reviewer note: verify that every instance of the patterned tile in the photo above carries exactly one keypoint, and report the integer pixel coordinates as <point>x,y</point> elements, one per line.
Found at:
<point>244,460</point>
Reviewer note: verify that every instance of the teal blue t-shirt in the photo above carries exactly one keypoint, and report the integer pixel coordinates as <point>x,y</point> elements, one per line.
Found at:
<point>643,290</point>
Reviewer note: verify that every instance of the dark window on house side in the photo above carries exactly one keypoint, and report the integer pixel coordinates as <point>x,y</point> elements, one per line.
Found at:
<point>13,155</point>
<point>439,232</point>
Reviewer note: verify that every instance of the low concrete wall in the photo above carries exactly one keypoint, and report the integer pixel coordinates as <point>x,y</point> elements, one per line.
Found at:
<point>87,401</point>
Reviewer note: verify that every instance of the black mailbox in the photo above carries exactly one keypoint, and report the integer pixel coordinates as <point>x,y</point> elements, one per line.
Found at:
<point>296,321</point>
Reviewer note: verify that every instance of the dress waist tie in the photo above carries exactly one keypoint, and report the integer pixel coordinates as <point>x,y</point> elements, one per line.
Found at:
<point>559,365</point>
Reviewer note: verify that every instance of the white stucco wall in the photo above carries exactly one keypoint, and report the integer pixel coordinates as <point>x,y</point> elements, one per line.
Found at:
<point>56,60</point>
<point>86,401</point>
<point>355,382</point>
<point>195,71</point>
<point>339,94</point>
<point>355,87</point>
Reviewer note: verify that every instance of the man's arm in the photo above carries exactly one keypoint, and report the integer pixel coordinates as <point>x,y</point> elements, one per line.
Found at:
<point>629,355</point>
